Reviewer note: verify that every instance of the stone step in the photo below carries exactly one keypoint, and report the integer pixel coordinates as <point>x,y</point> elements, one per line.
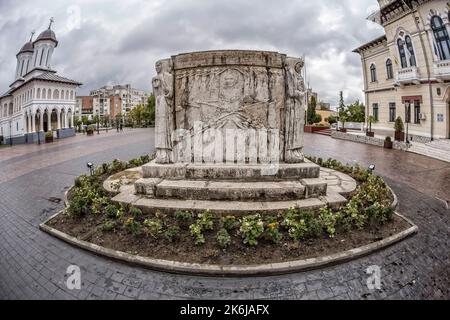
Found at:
<point>431,152</point>
<point>231,190</point>
<point>249,172</point>
<point>223,208</point>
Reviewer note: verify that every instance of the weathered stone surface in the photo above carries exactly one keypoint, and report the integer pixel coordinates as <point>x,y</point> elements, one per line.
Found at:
<point>231,190</point>
<point>224,172</point>
<point>147,186</point>
<point>229,106</point>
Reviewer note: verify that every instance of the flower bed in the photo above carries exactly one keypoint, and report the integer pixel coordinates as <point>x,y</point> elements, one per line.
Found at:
<point>202,238</point>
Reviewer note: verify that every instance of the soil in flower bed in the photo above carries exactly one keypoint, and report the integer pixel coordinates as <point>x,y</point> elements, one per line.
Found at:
<point>90,229</point>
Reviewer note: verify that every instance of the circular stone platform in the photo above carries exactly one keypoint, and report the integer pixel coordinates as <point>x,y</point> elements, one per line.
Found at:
<point>191,187</point>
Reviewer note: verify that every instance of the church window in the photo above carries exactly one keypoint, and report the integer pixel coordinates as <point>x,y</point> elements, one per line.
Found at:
<point>441,38</point>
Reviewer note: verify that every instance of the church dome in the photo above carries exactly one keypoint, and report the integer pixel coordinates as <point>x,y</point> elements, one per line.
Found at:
<point>47,35</point>
<point>28,47</point>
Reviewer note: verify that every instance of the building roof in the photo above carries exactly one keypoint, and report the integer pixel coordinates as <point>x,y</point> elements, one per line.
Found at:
<point>372,43</point>
<point>27,47</point>
<point>50,76</point>
<point>47,35</point>
<point>6,94</point>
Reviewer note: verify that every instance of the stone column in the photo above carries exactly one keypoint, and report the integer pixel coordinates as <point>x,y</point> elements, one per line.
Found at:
<point>71,120</point>
<point>33,122</point>
<point>25,123</point>
<point>66,120</point>
<point>41,118</point>
<point>49,120</point>
<point>58,113</point>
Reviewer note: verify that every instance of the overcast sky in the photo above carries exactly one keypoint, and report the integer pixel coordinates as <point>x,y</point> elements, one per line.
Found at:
<point>108,42</point>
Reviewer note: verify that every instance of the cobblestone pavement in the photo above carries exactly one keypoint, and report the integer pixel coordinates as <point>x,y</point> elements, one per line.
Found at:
<point>33,265</point>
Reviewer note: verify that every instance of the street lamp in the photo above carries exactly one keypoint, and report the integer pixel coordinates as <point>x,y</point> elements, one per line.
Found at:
<point>408,119</point>
<point>10,133</point>
<point>372,168</point>
<point>90,165</point>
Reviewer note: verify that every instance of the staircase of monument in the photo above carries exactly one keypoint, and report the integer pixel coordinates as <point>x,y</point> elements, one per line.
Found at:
<point>325,132</point>
<point>235,189</point>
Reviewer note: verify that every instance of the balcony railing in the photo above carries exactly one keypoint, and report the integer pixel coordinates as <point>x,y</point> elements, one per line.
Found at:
<point>408,75</point>
<point>442,70</point>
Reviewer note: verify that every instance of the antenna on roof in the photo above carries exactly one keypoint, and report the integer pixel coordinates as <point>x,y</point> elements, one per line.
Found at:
<point>52,20</point>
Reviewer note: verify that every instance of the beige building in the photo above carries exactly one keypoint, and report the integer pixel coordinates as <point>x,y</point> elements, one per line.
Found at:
<point>407,71</point>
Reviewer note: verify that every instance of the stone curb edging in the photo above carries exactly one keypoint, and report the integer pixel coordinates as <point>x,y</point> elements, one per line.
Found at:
<point>233,271</point>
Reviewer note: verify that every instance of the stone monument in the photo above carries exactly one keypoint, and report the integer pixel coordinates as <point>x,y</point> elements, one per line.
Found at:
<point>229,136</point>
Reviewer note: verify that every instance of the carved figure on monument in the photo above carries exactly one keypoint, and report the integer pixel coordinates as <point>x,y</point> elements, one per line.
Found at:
<point>295,111</point>
<point>164,93</point>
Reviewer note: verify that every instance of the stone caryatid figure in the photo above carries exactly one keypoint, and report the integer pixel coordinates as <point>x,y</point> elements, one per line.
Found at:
<point>295,110</point>
<point>163,89</point>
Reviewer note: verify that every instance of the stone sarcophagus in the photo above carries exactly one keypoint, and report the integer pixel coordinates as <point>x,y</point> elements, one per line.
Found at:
<point>244,107</point>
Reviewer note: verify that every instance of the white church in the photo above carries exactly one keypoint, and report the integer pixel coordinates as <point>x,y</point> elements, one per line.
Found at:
<point>39,100</point>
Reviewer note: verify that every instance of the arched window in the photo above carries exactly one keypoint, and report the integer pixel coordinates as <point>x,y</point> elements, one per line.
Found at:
<point>38,96</point>
<point>373,73</point>
<point>67,94</point>
<point>10,109</point>
<point>389,70</point>
<point>409,46</point>
<point>56,94</point>
<point>401,51</point>
<point>71,95</point>
<point>44,93</point>
<point>49,94</point>
<point>441,38</point>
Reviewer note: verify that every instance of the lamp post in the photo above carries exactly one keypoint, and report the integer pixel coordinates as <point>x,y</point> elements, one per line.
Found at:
<point>408,119</point>
<point>10,133</point>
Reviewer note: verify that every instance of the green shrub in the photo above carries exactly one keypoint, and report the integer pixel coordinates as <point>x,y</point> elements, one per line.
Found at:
<point>223,238</point>
<point>135,212</point>
<point>183,217</point>
<point>113,212</point>
<point>132,226</point>
<point>229,223</point>
<point>328,220</point>
<point>154,227</point>
<point>109,225</point>
<point>197,232</point>
<point>252,229</point>
<point>205,220</point>
<point>172,233</point>
<point>273,232</point>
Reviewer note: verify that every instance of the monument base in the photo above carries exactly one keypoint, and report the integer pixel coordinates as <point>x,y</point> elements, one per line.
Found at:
<point>234,189</point>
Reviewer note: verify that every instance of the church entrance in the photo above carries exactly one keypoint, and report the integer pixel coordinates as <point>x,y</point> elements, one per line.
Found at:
<point>54,119</point>
<point>46,122</point>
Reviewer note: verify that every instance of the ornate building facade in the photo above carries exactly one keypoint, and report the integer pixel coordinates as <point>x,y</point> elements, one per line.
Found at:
<point>39,100</point>
<point>407,70</point>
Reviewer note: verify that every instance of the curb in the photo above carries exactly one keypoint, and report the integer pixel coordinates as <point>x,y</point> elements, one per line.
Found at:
<point>233,271</point>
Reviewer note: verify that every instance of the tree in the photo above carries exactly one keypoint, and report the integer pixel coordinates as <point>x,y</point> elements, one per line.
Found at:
<point>85,120</point>
<point>331,119</point>
<point>371,120</point>
<point>312,116</point>
<point>342,110</point>
<point>356,112</point>
<point>150,112</point>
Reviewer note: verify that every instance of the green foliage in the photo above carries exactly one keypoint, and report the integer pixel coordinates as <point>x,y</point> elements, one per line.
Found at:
<point>388,139</point>
<point>109,225</point>
<point>154,227</point>
<point>223,238</point>
<point>398,125</point>
<point>183,216</point>
<point>229,223</point>
<point>197,233</point>
<point>273,232</point>
<point>117,166</point>
<point>135,212</point>
<point>356,112</point>
<point>252,229</point>
<point>113,212</point>
<point>328,220</point>
<point>171,233</point>
<point>205,220</point>
<point>86,195</point>
<point>133,227</point>
<point>331,119</point>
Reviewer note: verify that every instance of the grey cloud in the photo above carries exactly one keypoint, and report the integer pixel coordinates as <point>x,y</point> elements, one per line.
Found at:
<point>118,43</point>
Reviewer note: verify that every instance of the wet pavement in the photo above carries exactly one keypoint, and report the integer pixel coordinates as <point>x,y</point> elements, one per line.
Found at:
<point>33,265</point>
